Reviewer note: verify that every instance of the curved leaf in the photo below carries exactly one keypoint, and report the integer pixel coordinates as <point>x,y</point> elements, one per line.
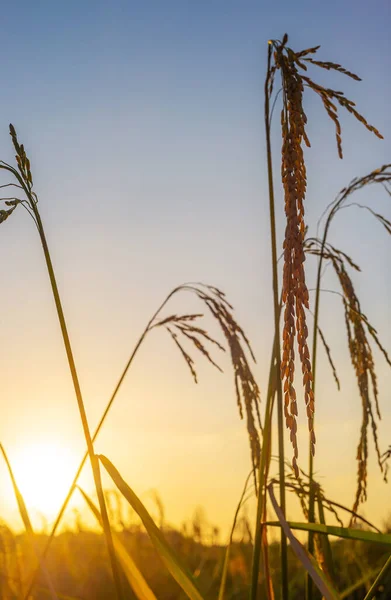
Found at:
<point>133,575</point>
<point>179,572</point>
<point>309,563</point>
<point>343,532</point>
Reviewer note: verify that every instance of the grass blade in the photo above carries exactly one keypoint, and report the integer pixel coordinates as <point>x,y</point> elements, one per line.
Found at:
<point>179,572</point>
<point>343,532</point>
<point>133,575</point>
<point>352,588</point>
<point>306,559</point>
<point>379,579</point>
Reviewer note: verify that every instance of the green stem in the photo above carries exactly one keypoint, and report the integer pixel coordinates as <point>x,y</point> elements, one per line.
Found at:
<point>281,454</point>
<point>83,415</point>
<point>262,476</point>
<point>311,502</point>
<point>263,470</point>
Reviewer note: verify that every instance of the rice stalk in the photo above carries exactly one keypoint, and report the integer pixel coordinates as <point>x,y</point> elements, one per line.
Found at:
<point>295,296</point>
<point>270,74</point>
<point>380,176</point>
<point>24,178</point>
<point>292,66</point>
<point>247,391</point>
<point>263,471</point>
<point>357,324</point>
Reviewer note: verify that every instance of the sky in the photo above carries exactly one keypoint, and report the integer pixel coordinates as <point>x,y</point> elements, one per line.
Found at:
<point>143,122</point>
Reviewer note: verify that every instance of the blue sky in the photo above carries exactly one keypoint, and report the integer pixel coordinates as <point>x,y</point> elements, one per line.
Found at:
<point>144,125</point>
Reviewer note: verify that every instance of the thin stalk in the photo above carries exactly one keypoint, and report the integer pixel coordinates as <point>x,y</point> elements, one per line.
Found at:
<point>262,487</point>
<point>83,415</point>
<point>95,435</point>
<point>26,184</point>
<point>379,579</point>
<point>284,552</point>
<point>265,544</point>
<point>262,473</point>
<point>312,485</point>
<point>230,542</point>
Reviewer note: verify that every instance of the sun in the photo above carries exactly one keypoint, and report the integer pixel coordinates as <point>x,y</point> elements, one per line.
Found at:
<point>44,473</point>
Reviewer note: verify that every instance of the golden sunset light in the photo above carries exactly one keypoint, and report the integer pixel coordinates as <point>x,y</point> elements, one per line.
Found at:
<point>195,315</point>
<point>44,472</point>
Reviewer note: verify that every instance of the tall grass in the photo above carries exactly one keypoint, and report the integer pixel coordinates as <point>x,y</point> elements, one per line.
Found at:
<point>193,341</point>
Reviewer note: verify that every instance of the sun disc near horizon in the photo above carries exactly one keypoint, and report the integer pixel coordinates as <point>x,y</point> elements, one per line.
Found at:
<point>44,473</point>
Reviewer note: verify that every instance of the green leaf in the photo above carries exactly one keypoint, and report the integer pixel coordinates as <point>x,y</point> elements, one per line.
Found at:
<point>179,572</point>
<point>133,575</point>
<point>343,532</point>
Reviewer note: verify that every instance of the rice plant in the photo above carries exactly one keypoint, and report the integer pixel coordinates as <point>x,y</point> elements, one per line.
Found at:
<point>191,337</point>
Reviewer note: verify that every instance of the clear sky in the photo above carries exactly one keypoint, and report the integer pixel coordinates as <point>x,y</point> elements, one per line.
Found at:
<point>144,125</point>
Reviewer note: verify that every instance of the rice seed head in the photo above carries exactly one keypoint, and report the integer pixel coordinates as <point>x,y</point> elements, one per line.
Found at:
<point>358,328</point>
<point>364,367</point>
<point>361,355</point>
<point>4,214</point>
<point>294,290</point>
<point>185,328</point>
<point>295,295</point>
<point>24,181</point>
<point>21,158</point>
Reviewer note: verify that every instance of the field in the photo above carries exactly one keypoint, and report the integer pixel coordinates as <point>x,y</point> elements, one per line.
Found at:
<point>332,550</point>
<point>79,569</point>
